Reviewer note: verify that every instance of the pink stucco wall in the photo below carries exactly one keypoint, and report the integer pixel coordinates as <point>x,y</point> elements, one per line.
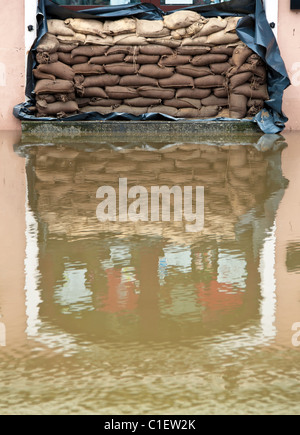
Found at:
<point>12,61</point>
<point>289,43</point>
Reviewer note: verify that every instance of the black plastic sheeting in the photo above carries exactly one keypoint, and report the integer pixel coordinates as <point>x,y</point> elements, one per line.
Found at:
<point>253,29</point>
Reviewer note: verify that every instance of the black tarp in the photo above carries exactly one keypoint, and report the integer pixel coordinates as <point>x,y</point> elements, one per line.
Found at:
<point>253,29</point>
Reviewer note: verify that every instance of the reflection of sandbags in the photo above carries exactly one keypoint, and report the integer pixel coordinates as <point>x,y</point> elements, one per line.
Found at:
<point>87,27</point>
<point>101,81</point>
<point>69,60</point>
<point>214,25</point>
<point>91,92</point>
<point>181,19</point>
<point>88,69</point>
<point>220,68</point>
<point>208,59</point>
<point>177,81</point>
<point>181,103</point>
<point>137,81</point>
<point>142,59</point>
<point>89,51</point>
<point>193,93</point>
<point>119,27</point>
<point>156,50</point>
<point>142,102</point>
<point>54,87</point>
<point>193,71</point>
<point>122,69</point>
<point>212,100</point>
<point>152,92</point>
<point>193,50</point>
<point>261,93</point>
<point>58,107</point>
<point>240,79</point>
<point>238,106</point>
<point>58,69</point>
<point>48,44</point>
<point>96,101</point>
<point>166,110</point>
<point>212,81</point>
<point>155,71</point>
<point>106,60</point>
<point>174,60</point>
<point>44,58</point>
<point>241,54</point>
<point>151,29</point>
<point>121,92</point>
<point>58,27</point>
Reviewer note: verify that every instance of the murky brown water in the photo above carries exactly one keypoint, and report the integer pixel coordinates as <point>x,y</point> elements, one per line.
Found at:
<point>144,317</point>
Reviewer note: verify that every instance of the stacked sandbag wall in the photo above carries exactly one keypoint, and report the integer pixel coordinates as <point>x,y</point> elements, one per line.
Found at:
<point>185,66</point>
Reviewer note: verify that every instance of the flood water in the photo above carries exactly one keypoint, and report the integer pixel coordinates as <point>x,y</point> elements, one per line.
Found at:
<point>146,317</point>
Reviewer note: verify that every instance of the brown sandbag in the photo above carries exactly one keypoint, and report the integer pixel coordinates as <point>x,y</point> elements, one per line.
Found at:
<point>222,49</point>
<point>240,79</point>
<point>54,87</point>
<point>156,72</point>
<point>151,28</point>
<point>154,92</point>
<point>214,25</point>
<point>174,60</point>
<point>208,59</point>
<point>211,81</point>
<point>261,93</point>
<point>69,60</point>
<point>241,54</point>
<point>45,58</point>
<point>99,109</point>
<point>137,81</point>
<point>88,69</point>
<point>166,42</point>
<point>181,19</point>
<point>106,60</point>
<point>39,75</point>
<point>129,39</point>
<point>238,106</point>
<point>119,27</point>
<point>193,71</point>
<point>91,92</point>
<point>222,38</point>
<point>181,103</point>
<point>142,102</point>
<point>256,60</point>
<point>122,49</point>
<point>87,27</point>
<point>122,69</point>
<point>58,69</point>
<point>212,100</point>
<point>188,113</point>
<point>142,59</point>
<point>256,103</point>
<point>47,98</point>
<point>82,102</point>
<point>253,111</point>
<point>89,51</point>
<point>58,27</point>
<point>79,79</point>
<point>221,92</point>
<point>104,102</point>
<point>67,48</point>
<point>101,81</point>
<point>209,111</point>
<point>121,92</point>
<point>193,50</point>
<point>48,44</point>
<point>220,68</point>
<point>136,111</point>
<point>65,97</point>
<point>166,110</point>
<point>156,50</point>
<point>55,108</point>
<point>193,93</point>
<point>177,81</point>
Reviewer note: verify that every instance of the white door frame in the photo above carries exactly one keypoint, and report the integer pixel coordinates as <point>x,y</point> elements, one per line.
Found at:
<point>271,7</point>
<point>30,20</point>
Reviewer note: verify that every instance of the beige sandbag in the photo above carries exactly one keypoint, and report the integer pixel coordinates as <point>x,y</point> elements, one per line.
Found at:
<point>91,92</point>
<point>48,44</point>
<point>142,59</point>
<point>212,100</point>
<point>67,48</point>
<point>222,38</point>
<point>238,106</point>
<point>122,69</point>
<point>55,108</point>
<point>261,93</point>
<point>166,42</point>
<point>86,27</point>
<point>220,68</point>
<point>142,102</point>
<point>174,60</point>
<point>151,28</point>
<point>156,50</point>
<point>232,23</point>
<point>136,111</point>
<point>181,19</point>
<point>97,40</point>
<point>137,81</point>
<point>240,79</point>
<point>212,81</point>
<point>165,110</point>
<point>89,51</point>
<point>201,40</point>
<point>241,54</point>
<point>121,92</point>
<point>106,60</point>
<point>88,69</point>
<point>177,81</point>
<point>193,93</point>
<point>189,113</point>
<point>255,102</point>
<point>209,111</point>
<point>178,34</point>
<point>58,27</point>
<point>104,102</point>
<point>119,27</point>
<point>101,80</point>
<point>222,49</point>
<point>155,71</point>
<point>54,87</point>
<point>195,28</point>
<point>193,71</point>
<point>129,39</point>
<point>123,49</point>
<point>58,69</point>
<point>69,60</point>
<point>208,59</point>
<point>77,38</point>
<point>214,25</point>
<point>221,92</point>
<point>181,103</point>
<point>45,58</point>
<point>154,92</point>
<point>193,50</point>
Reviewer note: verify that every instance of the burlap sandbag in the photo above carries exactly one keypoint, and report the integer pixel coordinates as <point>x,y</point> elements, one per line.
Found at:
<point>154,92</point>
<point>77,38</point>
<point>136,111</point>
<point>222,38</point>
<point>255,102</point>
<point>142,59</point>
<point>193,50</point>
<point>211,81</point>
<point>123,49</point>
<point>166,110</point>
<point>45,58</point>
<point>221,92</point>
<point>260,94</point>
<point>156,50</point>
<point>39,75</point>
<point>151,28</point>
<point>91,92</point>
<point>212,26</point>
<point>220,68</point>
<point>240,79</point>
<point>58,27</point>
<point>88,69</point>
<point>195,28</point>
<point>122,69</point>
<point>193,93</point>
<point>48,44</point>
<point>212,100</point>
<point>254,59</point>
<point>181,103</point>
<point>174,60</point>
<point>177,81</point>
<point>166,42</point>
<point>65,97</point>
<point>97,40</point>
<point>79,79</point>
<point>48,98</point>
<point>121,92</point>
<point>87,27</point>
<point>222,49</point>
<point>193,71</point>
<point>241,54</point>
<point>69,60</point>
<point>119,27</point>
<point>101,80</point>
<point>90,51</point>
<point>82,102</point>
<point>238,106</point>
<point>178,34</point>
<point>106,60</point>
<point>67,48</point>
<point>155,71</point>
<point>137,81</point>
<point>142,102</point>
<point>197,42</point>
<point>55,108</point>
<point>232,23</point>
<point>99,109</point>
<point>129,39</point>
<point>104,102</point>
<point>181,19</point>
<point>209,111</point>
<point>208,59</point>
<point>189,113</point>
<point>58,69</point>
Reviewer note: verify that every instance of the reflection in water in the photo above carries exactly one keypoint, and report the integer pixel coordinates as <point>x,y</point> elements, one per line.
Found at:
<point>143,305</point>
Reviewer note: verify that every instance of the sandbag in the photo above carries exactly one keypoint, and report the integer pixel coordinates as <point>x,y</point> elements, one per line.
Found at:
<point>122,69</point>
<point>181,103</point>
<point>106,60</point>
<point>193,50</point>
<point>178,34</point>
<point>155,71</point>
<point>209,111</point>
<point>78,37</point>
<point>222,49</point>
<point>91,92</point>
<point>104,102</point>
<point>181,19</point>
<point>254,59</point>
<point>166,110</point>
<point>39,75</point>
<point>101,81</point>
<point>86,27</point>
<point>212,100</point>
<point>211,81</point>
<point>240,79</point>
<point>58,107</point>
<point>256,103</point>
<point>222,38</point>
<point>174,60</point>
<point>136,111</point>
<point>69,60</point>
<point>89,51</point>
<point>88,69</point>
<point>97,40</point>
<point>190,42</point>
<point>208,59</point>
<point>238,106</point>
<point>137,81</point>
<point>142,59</point>
<point>166,42</point>
<point>195,28</point>
<point>129,39</point>
<point>67,48</point>
<point>241,54</point>
<point>221,92</point>
<point>123,49</point>
<point>232,23</point>
<point>99,109</point>
<point>82,102</point>
<point>121,92</point>
<point>156,50</point>
<point>261,93</point>
<point>119,27</point>
<point>45,58</point>
<point>151,28</point>
<point>54,87</point>
<point>212,26</point>
<point>189,113</point>
<point>177,81</point>
<point>193,93</point>
<point>220,68</point>
<point>65,97</point>
<point>193,71</point>
<point>142,102</point>
<point>48,44</point>
<point>58,27</point>
<point>46,97</point>
<point>58,69</point>
<point>154,92</point>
